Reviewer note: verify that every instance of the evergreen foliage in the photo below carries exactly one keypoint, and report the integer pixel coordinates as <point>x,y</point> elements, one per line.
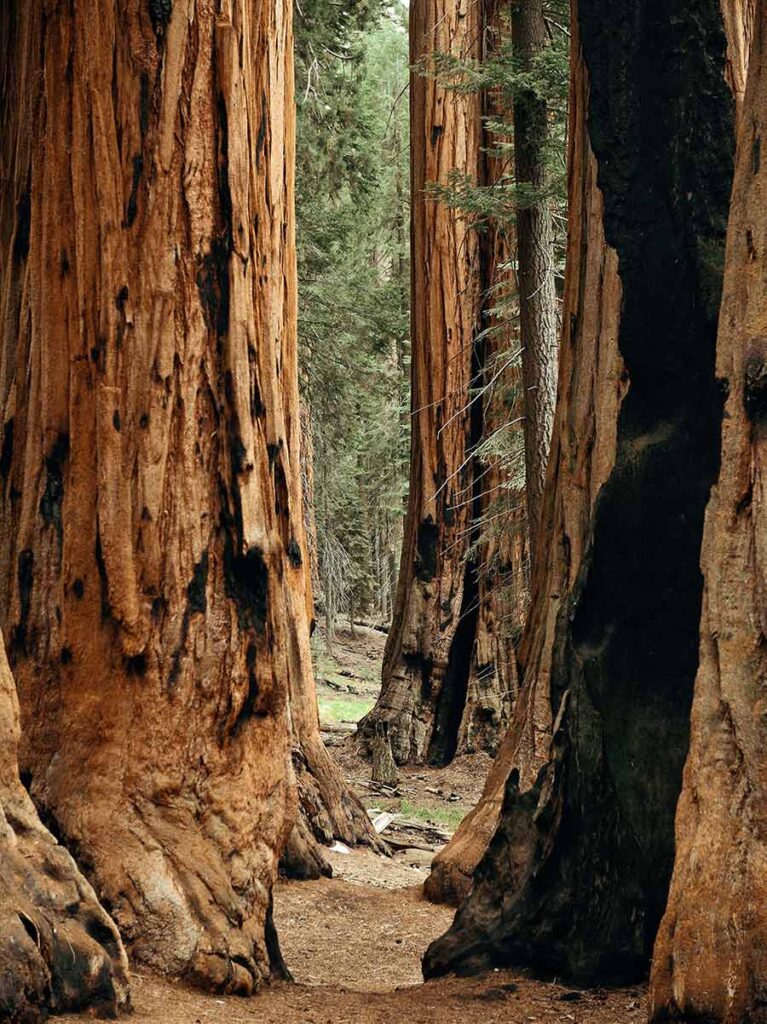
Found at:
<point>352,201</point>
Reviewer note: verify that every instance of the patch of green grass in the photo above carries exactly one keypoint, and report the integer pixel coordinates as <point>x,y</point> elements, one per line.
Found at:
<point>328,667</point>
<point>448,817</point>
<point>344,709</point>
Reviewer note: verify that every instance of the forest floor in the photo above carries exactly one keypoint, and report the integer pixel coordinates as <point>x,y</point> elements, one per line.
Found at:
<point>437,799</point>
<point>354,942</point>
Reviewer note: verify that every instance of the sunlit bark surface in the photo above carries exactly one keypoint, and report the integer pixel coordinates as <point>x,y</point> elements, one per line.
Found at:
<point>152,581</point>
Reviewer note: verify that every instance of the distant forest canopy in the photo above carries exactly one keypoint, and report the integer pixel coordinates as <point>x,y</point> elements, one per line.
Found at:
<point>353,256</point>
<point>353,244</point>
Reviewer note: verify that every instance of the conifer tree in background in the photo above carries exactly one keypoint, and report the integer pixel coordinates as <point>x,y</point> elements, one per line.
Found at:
<point>576,877</point>
<point>449,676</point>
<point>353,307</point>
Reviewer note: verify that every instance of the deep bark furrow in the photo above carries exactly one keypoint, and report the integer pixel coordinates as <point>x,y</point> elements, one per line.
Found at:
<point>151,573</point>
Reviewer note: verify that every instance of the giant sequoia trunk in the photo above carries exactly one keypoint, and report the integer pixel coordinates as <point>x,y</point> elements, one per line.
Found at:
<point>153,592</point>
<point>447,684</point>
<point>59,950</point>
<point>710,960</point>
<point>576,877</point>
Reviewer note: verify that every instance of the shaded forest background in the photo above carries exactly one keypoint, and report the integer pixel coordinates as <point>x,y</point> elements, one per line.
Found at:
<point>353,243</point>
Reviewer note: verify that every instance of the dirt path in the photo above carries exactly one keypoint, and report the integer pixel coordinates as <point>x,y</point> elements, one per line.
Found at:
<point>354,945</point>
<point>354,942</point>
<point>364,929</point>
<point>503,997</point>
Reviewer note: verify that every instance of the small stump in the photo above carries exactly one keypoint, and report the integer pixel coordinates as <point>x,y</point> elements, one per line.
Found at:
<point>384,768</point>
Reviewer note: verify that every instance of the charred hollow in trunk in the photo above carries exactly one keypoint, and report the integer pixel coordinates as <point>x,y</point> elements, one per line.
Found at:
<point>577,875</point>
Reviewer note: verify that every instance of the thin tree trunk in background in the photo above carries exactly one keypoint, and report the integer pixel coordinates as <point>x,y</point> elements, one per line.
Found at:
<point>576,877</point>
<point>155,599</point>
<point>710,959</point>
<point>535,262</point>
<point>310,516</point>
<point>59,949</point>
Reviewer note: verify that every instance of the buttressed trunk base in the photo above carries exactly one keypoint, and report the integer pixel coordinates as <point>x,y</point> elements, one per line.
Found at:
<point>152,538</point>
<point>59,950</point>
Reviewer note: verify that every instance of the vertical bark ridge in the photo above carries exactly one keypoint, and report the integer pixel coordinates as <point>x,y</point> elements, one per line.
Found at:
<point>154,598</point>
<point>710,959</point>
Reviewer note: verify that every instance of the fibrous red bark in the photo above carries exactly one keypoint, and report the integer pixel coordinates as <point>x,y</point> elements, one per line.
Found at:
<point>59,950</point>
<point>710,959</point>
<point>576,876</point>
<point>152,561</point>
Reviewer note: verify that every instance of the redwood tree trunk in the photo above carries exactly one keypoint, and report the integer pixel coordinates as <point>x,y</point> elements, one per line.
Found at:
<point>151,570</point>
<point>447,687</point>
<point>535,260</point>
<point>59,950</point>
<point>576,877</point>
<point>710,960</point>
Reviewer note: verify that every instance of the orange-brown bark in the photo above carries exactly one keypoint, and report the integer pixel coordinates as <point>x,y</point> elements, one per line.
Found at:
<point>449,675</point>
<point>59,950</point>
<point>151,568</point>
<point>710,960</point>
<point>576,875</point>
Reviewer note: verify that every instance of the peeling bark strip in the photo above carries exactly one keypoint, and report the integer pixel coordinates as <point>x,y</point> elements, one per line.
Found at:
<point>576,877</point>
<point>710,960</point>
<point>432,700</point>
<point>149,433</point>
<point>59,950</point>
